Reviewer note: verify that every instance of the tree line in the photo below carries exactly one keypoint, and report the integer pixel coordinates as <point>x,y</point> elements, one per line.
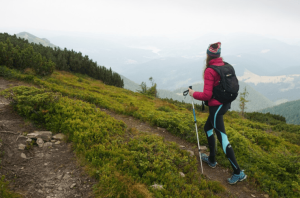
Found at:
<point>18,53</point>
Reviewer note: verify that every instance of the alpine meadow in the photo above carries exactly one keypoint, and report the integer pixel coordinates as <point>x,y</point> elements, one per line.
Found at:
<point>68,92</point>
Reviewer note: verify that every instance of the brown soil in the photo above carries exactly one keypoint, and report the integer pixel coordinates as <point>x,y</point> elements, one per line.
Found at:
<point>46,172</point>
<point>51,172</point>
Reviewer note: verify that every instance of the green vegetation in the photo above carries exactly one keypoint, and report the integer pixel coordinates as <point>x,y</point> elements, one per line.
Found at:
<point>289,110</point>
<point>270,160</point>
<point>15,57</point>
<point>124,161</point>
<point>4,191</point>
<point>66,60</point>
<point>152,91</point>
<point>243,100</point>
<point>277,125</point>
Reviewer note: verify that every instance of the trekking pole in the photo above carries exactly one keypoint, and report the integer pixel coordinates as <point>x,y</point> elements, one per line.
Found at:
<point>185,93</point>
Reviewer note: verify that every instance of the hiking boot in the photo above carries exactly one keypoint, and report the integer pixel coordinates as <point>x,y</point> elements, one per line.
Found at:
<point>237,177</point>
<point>205,158</point>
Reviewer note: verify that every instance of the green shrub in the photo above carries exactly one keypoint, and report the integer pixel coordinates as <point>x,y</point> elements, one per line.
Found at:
<point>124,167</point>
<point>4,190</point>
<point>269,158</point>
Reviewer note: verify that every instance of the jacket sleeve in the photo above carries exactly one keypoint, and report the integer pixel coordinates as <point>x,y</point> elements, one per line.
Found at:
<point>209,80</point>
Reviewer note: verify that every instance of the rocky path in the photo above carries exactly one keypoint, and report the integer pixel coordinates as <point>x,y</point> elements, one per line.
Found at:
<point>240,190</point>
<point>38,172</point>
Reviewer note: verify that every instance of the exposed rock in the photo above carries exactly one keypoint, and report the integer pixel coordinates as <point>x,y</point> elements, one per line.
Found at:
<point>60,188</point>
<point>191,153</point>
<point>253,195</point>
<point>53,141</point>
<point>59,136</point>
<point>23,156</point>
<point>45,135</point>
<point>48,144</point>
<point>182,174</point>
<point>181,146</point>
<point>266,196</point>
<point>58,142</point>
<point>203,148</point>
<point>40,142</point>
<point>157,186</point>
<point>73,185</point>
<point>29,140</point>
<point>21,146</point>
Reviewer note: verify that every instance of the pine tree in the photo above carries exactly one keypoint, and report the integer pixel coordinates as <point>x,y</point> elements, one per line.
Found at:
<point>243,101</point>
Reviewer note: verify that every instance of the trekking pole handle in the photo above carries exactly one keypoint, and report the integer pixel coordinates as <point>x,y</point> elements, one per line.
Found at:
<point>185,93</point>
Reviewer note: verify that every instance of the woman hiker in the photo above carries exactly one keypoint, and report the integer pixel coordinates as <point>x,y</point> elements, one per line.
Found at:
<point>216,112</point>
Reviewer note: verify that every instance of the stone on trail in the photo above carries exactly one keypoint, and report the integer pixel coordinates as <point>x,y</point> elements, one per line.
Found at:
<point>181,146</point>
<point>53,141</point>
<point>45,135</point>
<point>21,146</point>
<point>23,156</point>
<point>40,142</point>
<point>203,148</point>
<point>29,140</point>
<point>73,185</point>
<point>48,144</point>
<point>157,186</point>
<point>58,142</point>
<point>59,136</point>
<point>191,153</point>
<point>182,174</point>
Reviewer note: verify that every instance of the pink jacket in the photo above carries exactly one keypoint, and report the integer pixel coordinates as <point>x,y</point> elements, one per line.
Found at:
<point>211,79</point>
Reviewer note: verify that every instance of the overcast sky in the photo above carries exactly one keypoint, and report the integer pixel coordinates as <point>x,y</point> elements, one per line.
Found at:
<point>274,18</point>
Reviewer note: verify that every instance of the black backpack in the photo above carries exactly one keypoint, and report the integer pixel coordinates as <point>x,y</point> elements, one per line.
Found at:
<point>227,90</point>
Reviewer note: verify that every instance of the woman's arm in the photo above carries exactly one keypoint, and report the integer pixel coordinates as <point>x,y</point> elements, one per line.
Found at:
<point>209,79</point>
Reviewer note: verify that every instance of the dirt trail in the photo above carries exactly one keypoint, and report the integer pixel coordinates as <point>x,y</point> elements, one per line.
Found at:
<point>46,172</point>
<point>240,190</point>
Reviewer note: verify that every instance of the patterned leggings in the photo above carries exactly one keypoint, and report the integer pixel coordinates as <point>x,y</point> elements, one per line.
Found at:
<point>215,121</point>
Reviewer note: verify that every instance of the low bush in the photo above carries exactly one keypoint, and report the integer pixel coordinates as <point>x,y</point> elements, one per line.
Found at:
<point>269,157</point>
<point>126,163</point>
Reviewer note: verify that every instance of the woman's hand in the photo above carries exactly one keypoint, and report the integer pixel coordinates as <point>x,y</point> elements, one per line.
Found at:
<point>191,92</point>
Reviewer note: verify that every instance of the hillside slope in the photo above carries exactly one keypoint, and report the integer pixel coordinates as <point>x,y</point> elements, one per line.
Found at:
<point>258,145</point>
<point>289,110</point>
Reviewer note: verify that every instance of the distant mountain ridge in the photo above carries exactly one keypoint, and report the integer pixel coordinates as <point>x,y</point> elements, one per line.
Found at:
<point>281,88</point>
<point>33,39</point>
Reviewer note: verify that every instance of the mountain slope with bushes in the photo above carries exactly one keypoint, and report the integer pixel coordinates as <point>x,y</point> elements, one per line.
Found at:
<point>14,51</point>
<point>68,103</point>
<point>289,110</point>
